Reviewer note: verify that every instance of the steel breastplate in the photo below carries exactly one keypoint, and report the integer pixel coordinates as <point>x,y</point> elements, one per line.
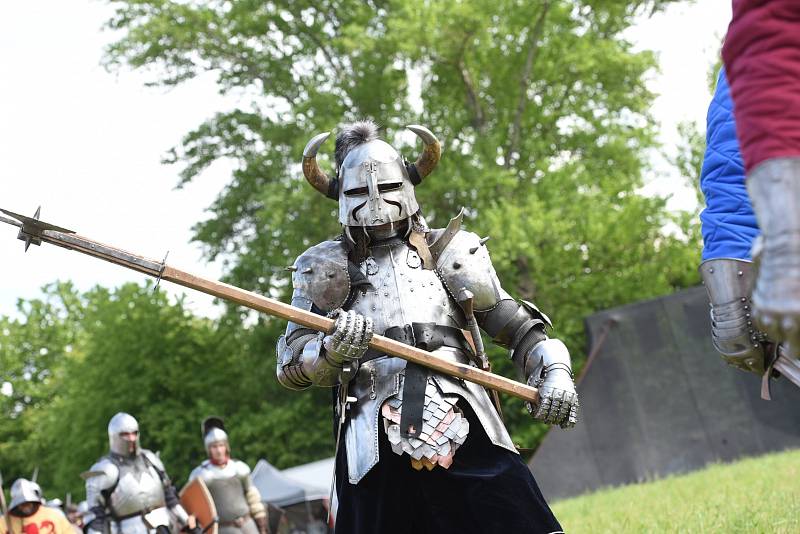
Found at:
<point>227,491</point>
<point>401,292</point>
<point>138,489</point>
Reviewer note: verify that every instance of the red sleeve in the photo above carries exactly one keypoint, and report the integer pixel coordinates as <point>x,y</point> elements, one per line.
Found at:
<point>762,60</point>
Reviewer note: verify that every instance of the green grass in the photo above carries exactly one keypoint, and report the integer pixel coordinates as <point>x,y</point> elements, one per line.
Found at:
<point>752,495</point>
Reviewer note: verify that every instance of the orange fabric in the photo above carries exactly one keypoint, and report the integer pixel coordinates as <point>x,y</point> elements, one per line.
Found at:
<point>44,521</point>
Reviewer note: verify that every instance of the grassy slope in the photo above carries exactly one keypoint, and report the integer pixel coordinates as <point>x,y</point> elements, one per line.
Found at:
<point>753,495</point>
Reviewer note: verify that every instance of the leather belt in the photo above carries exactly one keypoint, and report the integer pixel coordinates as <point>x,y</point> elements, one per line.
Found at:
<point>426,336</point>
<point>142,513</point>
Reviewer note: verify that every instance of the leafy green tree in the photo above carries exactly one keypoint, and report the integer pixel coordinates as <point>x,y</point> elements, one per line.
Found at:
<point>75,359</point>
<point>32,350</point>
<point>541,106</point>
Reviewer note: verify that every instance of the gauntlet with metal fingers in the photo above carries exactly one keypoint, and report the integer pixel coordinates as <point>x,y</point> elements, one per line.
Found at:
<point>350,339</point>
<point>548,368</point>
<point>774,188</point>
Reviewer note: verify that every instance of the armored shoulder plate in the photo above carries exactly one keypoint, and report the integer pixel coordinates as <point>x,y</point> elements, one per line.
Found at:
<point>154,460</point>
<point>320,275</point>
<point>101,475</point>
<point>465,263</point>
<point>242,469</point>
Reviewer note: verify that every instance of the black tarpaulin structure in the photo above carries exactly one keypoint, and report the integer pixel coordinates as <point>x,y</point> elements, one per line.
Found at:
<point>657,399</point>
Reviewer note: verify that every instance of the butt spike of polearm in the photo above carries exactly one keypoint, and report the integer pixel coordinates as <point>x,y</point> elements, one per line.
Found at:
<point>34,231</point>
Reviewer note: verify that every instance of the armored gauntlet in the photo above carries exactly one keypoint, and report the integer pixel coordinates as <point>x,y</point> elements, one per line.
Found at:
<point>728,283</point>
<point>350,339</point>
<point>548,368</point>
<point>774,188</point>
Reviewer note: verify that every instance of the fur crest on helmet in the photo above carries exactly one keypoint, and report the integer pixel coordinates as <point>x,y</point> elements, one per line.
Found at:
<point>352,135</point>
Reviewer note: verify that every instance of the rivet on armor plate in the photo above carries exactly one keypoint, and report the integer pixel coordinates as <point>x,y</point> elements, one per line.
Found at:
<point>711,270</point>
<point>372,266</point>
<point>413,260</point>
<point>307,270</point>
<point>740,273</point>
<point>456,265</point>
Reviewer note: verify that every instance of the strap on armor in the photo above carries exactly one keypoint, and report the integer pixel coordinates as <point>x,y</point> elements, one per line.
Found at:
<point>426,336</point>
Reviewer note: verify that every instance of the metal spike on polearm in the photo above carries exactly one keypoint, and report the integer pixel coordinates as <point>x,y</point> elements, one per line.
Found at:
<point>30,228</point>
<point>34,231</point>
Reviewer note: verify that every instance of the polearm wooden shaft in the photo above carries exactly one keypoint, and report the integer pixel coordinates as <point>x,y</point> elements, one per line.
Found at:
<point>288,312</point>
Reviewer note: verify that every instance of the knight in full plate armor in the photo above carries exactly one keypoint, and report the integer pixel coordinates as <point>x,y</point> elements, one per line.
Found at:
<point>128,490</point>
<point>236,498</point>
<point>416,450</point>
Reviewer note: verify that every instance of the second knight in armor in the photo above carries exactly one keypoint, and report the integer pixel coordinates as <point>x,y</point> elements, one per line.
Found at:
<point>417,450</point>
<point>128,490</point>
<point>236,498</point>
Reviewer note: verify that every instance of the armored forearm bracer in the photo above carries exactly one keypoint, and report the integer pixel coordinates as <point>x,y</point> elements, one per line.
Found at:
<point>299,354</point>
<point>729,283</point>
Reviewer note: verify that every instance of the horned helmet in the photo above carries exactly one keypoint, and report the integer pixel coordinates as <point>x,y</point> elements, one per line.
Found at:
<point>374,184</point>
<point>123,423</point>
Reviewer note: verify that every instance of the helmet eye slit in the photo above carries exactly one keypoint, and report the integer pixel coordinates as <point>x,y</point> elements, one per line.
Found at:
<point>356,192</point>
<point>389,186</point>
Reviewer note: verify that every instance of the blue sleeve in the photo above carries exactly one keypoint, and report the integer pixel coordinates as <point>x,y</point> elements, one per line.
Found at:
<point>728,222</point>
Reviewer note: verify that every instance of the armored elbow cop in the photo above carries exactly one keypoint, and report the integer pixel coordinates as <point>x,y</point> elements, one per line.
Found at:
<point>729,284</point>
<point>517,326</point>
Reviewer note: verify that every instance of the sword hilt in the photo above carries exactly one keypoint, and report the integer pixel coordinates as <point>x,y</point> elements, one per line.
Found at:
<point>465,300</point>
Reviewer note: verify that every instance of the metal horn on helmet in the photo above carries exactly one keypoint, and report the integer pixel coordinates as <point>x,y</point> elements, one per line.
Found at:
<point>316,176</point>
<point>429,157</point>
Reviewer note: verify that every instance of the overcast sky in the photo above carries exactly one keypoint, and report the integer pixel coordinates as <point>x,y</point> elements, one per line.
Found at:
<point>86,145</point>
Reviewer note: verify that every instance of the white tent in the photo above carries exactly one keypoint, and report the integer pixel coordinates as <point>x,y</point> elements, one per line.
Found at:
<point>297,484</point>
